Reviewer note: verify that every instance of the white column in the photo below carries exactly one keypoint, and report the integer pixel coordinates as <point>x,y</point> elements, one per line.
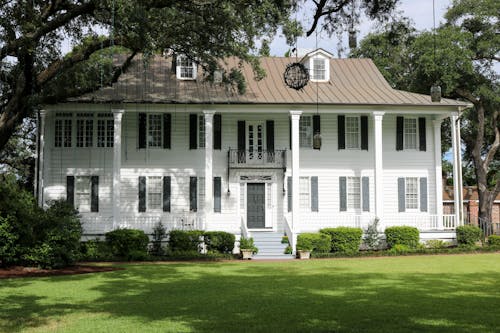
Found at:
<point>295,115</point>
<point>460,179</point>
<point>456,181</point>
<point>41,158</point>
<point>438,171</point>
<point>379,166</point>
<point>209,145</point>
<point>117,164</point>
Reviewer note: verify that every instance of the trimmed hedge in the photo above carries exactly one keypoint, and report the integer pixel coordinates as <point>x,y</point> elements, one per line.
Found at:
<point>402,235</point>
<point>344,239</point>
<point>185,240</point>
<point>494,240</point>
<point>468,235</point>
<point>315,242</point>
<point>128,244</point>
<point>219,241</point>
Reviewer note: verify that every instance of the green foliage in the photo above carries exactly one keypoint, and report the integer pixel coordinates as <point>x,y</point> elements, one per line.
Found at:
<point>247,244</point>
<point>95,250</point>
<point>468,235</point>
<point>8,241</point>
<point>402,235</point>
<point>219,241</point>
<point>284,240</point>
<point>314,242</point>
<point>159,234</point>
<point>436,244</point>
<point>288,250</point>
<point>196,255</point>
<point>494,241</point>
<point>400,249</point>
<point>185,240</point>
<point>128,244</point>
<point>344,239</point>
<point>372,237</point>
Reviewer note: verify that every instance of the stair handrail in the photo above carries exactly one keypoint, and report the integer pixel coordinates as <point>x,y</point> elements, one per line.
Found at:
<point>292,236</point>
<point>244,230</point>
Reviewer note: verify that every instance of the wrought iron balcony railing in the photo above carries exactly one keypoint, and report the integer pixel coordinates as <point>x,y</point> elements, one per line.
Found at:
<point>262,159</point>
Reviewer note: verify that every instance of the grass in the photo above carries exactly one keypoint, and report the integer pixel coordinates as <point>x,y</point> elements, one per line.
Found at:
<point>459,293</point>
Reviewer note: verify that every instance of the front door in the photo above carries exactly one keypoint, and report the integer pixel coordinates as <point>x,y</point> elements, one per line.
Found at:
<point>256,205</point>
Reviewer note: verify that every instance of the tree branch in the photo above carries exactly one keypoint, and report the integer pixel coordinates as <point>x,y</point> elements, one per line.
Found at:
<point>321,12</point>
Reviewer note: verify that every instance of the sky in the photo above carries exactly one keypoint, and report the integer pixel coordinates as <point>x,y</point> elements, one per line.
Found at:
<point>419,11</point>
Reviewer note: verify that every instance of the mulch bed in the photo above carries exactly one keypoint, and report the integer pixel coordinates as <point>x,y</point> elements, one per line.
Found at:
<point>20,271</point>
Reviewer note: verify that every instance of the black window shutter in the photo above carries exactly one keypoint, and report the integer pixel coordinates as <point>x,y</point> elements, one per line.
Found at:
<point>289,193</point>
<point>193,190</point>
<point>314,194</point>
<point>421,134</point>
<point>142,194</point>
<point>217,194</point>
<point>167,131</point>
<point>365,181</point>
<point>399,133</point>
<point>166,193</point>
<point>193,131</point>
<point>241,135</point>
<point>217,131</point>
<point>94,194</point>
<point>343,193</point>
<point>364,132</point>
<point>70,190</point>
<point>401,195</point>
<point>341,131</point>
<point>270,135</point>
<point>316,125</point>
<point>142,130</point>
<point>423,194</point>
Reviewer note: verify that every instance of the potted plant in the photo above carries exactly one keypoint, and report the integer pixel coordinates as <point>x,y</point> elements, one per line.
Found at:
<point>304,247</point>
<point>247,248</point>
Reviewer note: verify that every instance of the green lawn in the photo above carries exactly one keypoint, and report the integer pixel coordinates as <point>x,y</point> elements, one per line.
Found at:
<point>459,293</point>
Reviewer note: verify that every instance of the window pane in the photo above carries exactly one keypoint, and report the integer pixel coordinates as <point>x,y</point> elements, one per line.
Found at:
<point>110,133</point>
<point>410,133</point>
<point>319,69</point>
<point>305,131</point>
<point>154,130</point>
<point>67,132</point>
<point>352,132</point>
<point>154,185</point>
<point>304,192</point>
<point>353,193</point>
<point>201,131</point>
<point>58,133</point>
<point>411,195</point>
<point>82,194</point>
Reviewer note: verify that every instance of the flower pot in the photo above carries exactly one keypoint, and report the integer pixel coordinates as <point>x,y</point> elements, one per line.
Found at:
<point>246,254</point>
<point>303,254</point>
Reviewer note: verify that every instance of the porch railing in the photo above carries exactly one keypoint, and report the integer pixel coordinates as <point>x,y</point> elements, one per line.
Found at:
<point>271,159</point>
<point>99,224</point>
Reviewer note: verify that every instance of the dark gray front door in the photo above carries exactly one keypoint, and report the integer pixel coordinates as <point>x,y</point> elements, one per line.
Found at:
<point>256,214</point>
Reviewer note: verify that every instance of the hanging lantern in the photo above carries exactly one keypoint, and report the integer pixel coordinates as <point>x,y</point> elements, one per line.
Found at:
<point>317,140</point>
<point>436,93</point>
<point>352,39</point>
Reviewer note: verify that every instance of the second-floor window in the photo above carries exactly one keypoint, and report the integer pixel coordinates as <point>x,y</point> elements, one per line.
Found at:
<point>319,69</point>
<point>352,133</point>
<point>305,132</point>
<point>84,129</point>
<point>62,130</point>
<point>105,130</point>
<point>186,68</point>
<point>410,133</point>
<point>154,130</point>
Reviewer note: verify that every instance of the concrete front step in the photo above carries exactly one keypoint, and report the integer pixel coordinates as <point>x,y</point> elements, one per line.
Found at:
<point>260,256</point>
<point>270,246</point>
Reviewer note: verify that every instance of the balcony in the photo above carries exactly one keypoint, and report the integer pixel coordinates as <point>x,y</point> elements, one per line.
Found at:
<point>256,159</point>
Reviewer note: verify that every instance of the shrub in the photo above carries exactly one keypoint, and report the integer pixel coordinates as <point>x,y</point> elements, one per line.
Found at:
<point>494,241</point>
<point>219,241</point>
<point>344,239</point>
<point>158,235</point>
<point>436,244</point>
<point>284,240</point>
<point>185,240</point>
<point>372,237</point>
<point>95,250</point>
<point>315,242</point>
<point>399,249</point>
<point>402,235</point>
<point>247,244</point>
<point>468,234</point>
<point>128,244</point>
<point>288,249</point>
<point>8,242</point>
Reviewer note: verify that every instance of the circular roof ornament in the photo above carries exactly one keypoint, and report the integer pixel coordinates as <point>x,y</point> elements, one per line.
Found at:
<point>296,75</point>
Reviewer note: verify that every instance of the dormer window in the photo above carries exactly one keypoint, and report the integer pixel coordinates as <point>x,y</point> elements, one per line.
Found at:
<point>319,69</point>
<point>186,68</point>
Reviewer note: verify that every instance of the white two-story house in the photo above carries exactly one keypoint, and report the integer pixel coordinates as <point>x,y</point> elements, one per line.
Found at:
<point>165,145</point>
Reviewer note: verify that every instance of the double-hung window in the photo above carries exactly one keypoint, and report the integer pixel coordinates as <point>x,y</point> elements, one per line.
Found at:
<point>186,68</point>
<point>154,130</point>
<point>105,130</point>
<point>410,133</point>
<point>155,189</point>
<point>84,129</point>
<point>411,193</point>
<point>304,193</point>
<point>62,130</point>
<point>82,194</point>
<point>352,132</point>
<point>353,193</point>
<point>305,132</point>
<point>201,131</point>
<point>319,69</point>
